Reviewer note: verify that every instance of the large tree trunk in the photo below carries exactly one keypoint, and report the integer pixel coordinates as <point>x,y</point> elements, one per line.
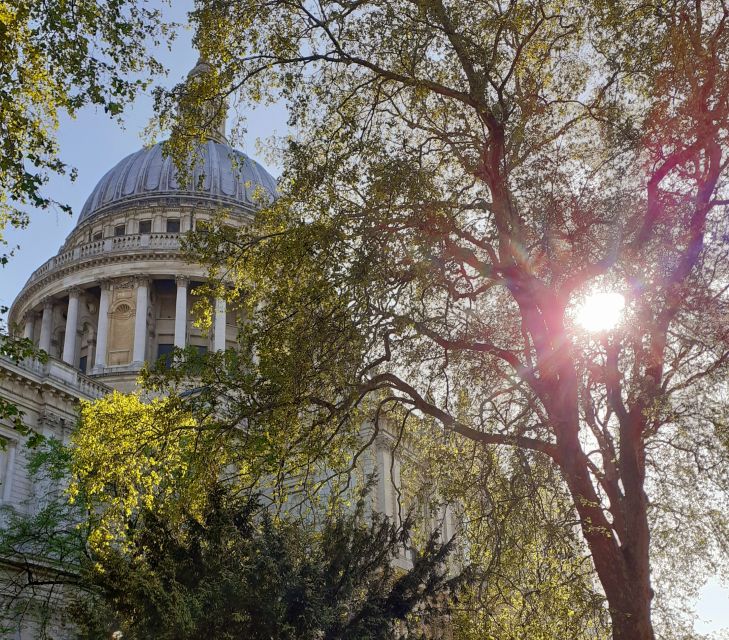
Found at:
<point>634,624</point>
<point>620,553</point>
<point>621,568</point>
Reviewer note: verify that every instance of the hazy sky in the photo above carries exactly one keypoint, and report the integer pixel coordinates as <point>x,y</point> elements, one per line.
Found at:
<point>93,144</point>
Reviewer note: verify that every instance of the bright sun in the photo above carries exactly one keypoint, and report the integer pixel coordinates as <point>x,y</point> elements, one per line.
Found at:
<point>601,311</point>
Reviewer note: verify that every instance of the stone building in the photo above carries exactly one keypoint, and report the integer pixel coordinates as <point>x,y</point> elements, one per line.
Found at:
<point>119,293</point>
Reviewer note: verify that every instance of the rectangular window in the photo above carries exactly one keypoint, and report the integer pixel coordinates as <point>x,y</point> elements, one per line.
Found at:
<point>173,225</point>
<point>82,364</point>
<point>120,230</point>
<point>97,235</point>
<point>145,226</point>
<point>164,351</point>
<point>201,349</point>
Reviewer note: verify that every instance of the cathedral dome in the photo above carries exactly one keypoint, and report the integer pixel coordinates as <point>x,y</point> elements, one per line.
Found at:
<point>221,176</point>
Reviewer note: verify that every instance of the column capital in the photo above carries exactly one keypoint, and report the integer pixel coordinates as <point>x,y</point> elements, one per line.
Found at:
<point>75,291</point>
<point>141,281</point>
<point>105,284</point>
<point>182,281</point>
<point>47,302</point>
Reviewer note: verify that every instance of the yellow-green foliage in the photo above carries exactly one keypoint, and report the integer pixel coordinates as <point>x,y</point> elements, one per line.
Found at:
<point>129,454</point>
<point>55,58</point>
<point>516,528</point>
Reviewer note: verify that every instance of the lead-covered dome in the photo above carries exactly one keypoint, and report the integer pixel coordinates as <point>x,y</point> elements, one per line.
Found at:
<point>222,176</point>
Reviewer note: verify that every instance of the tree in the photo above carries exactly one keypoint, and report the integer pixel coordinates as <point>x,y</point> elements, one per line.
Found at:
<point>462,177</point>
<point>533,578</point>
<point>135,461</point>
<point>170,549</point>
<point>55,59</point>
<point>217,563</point>
<point>58,58</point>
<point>238,571</point>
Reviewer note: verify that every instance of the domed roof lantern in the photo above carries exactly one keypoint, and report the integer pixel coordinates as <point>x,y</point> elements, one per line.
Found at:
<point>215,111</point>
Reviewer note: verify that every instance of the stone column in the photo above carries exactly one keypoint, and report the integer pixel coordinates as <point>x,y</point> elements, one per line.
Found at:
<point>384,483</point>
<point>29,325</point>
<point>69,340</point>
<point>219,328</point>
<point>46,326</point>
<point>181,312</point>
<point>102,328</point>
<point>140,321</point>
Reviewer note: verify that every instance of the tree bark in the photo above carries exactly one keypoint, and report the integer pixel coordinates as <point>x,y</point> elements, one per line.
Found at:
<point>622,572</point>
<point>620,554</point>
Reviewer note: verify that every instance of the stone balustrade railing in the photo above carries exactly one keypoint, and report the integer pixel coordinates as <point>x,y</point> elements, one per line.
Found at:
<point>120,244</point>
<point>60,373</point>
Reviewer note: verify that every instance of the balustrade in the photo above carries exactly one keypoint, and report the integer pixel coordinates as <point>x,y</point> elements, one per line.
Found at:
<point>132,242</point>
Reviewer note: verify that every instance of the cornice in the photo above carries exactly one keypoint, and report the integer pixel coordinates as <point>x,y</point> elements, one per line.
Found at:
<point>137,256</point>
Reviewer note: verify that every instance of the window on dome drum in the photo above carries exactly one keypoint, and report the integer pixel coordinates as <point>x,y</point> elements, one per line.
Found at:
<point>120,230</point>
<point>82,364</point>
<point>145,226</point>
<point>173,225</point>
<point>164,351</point>
<point>97,236</point>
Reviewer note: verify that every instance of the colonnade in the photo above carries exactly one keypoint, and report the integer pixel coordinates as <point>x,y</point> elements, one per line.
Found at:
<point>102,330</point>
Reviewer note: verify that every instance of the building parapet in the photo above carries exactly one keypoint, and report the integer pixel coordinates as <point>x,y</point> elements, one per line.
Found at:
<point>57,374</point>
<point>118,244</point>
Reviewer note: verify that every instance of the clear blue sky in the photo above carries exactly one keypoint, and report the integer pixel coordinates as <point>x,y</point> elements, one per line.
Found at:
<point>93,144</point>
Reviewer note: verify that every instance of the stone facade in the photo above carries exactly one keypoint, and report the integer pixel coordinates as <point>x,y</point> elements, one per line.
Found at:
<point>106,306</point>
<point>119,293</point>
<point>48,395</point>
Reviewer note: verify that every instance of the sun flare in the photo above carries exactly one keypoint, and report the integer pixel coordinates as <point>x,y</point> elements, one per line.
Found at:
<point>601,311</point>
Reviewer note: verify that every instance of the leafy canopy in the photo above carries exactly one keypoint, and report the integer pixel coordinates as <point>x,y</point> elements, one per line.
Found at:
<point>57,58</point>
<point>233,571</point>
<point>131,454</point>
<point>462,176</point>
